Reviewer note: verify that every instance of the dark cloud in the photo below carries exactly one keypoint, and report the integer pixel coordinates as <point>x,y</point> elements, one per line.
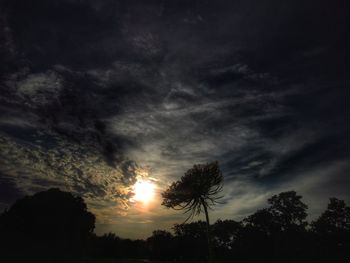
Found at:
<point>62,32</point>
<point>92,92</point>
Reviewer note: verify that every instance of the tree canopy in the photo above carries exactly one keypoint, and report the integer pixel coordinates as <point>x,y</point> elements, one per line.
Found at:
<point>57,222</point>
<point>197,189</point>
<point>288,210</point>
<point>335,219</point>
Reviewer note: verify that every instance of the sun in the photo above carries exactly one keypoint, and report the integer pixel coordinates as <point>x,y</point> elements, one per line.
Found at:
<point>144,191</point>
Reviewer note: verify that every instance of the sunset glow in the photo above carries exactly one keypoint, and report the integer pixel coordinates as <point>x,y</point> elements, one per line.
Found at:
<point>144,191</point>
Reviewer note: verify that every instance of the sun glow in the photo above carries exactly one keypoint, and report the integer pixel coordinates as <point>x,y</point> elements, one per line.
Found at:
<point>144,191</point>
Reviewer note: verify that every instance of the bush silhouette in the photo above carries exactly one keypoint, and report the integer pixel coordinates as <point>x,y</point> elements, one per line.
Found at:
<point>49,224</point>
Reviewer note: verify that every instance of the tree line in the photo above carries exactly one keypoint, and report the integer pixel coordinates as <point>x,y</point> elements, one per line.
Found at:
<point>278,233</point>
<point>55,226</point>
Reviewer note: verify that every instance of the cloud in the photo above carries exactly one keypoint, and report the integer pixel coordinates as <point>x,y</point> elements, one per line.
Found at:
<point>40,89</point>
<point>54,162</point>
<point>113,90</point>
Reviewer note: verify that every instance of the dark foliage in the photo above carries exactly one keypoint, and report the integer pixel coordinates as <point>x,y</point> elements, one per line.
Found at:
<point>331,231</point>
<point>55,226</point>
<point>277,231</point>
<point>191,241</point>
<point>161,245</point>
<point>47,226</point>
<point>112,246</point>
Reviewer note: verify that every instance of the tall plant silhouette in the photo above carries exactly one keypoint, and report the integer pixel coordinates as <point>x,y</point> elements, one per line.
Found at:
<point>195,192</point>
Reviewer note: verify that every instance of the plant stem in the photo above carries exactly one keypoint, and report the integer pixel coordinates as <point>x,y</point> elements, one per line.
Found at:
<point>210,251</point>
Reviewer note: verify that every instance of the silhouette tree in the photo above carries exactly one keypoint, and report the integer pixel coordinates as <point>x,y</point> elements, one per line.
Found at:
<point>198,189</point>
<point>55,226</point>
<point>161,245</point>
<point>257,234</point>
<point>195,230</point>
<point>225,233</point>
<point>262,221</point>
<point>107,245</point>
<point>335,219</point>
<point>281,226</point>
<point>288,211</point>
<point>332,230</point>
<point>111,246</point>
<point>190,239</point>
<point>48,224</point>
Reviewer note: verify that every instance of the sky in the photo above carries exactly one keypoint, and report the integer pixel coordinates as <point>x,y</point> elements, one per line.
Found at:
<point>98,95</point>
